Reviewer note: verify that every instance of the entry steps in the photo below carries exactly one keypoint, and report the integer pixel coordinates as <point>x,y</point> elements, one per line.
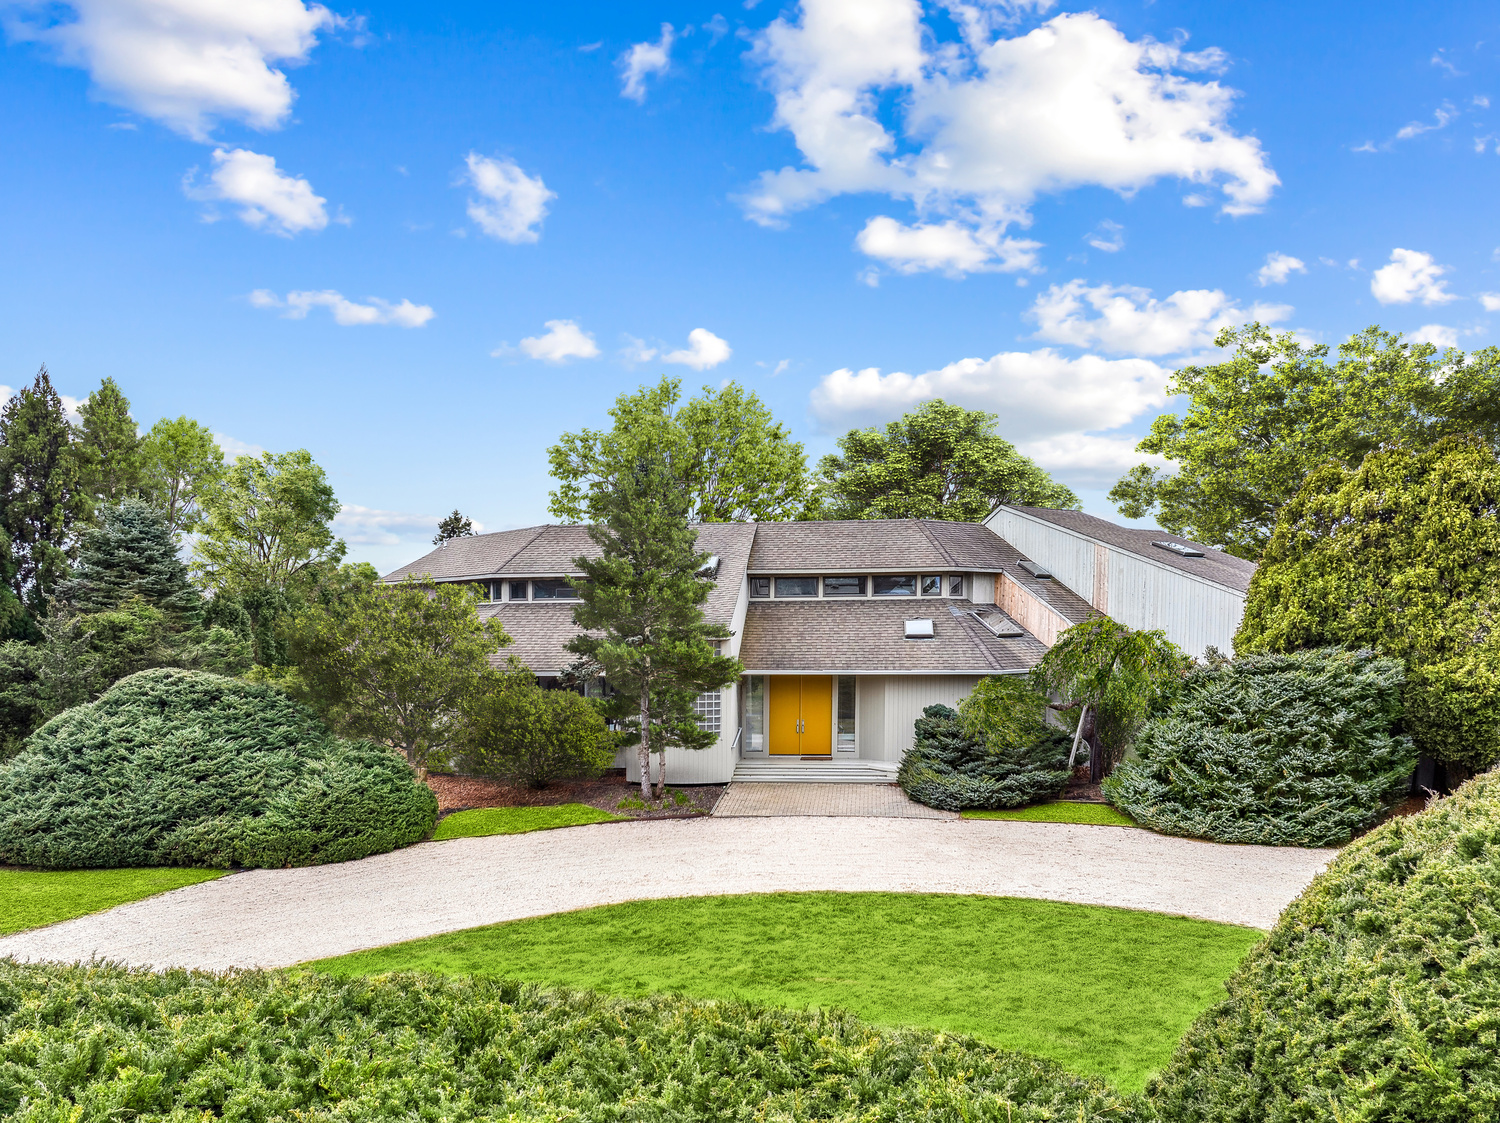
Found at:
<point>791,770</point>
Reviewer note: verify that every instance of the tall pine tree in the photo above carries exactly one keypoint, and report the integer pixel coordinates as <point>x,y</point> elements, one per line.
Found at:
<point>130,552</point>
<point>40,497</point>
<point>107,445</point>
<point>643,600</point>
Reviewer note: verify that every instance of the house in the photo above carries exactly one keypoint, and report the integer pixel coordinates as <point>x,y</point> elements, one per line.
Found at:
<point>846,630</point>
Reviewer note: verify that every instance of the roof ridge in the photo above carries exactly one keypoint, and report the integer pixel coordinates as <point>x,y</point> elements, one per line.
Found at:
<point>932,538</point>
<point>516,552</point>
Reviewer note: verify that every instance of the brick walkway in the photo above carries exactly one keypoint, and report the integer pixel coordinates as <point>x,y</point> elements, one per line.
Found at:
<point>870,801</point>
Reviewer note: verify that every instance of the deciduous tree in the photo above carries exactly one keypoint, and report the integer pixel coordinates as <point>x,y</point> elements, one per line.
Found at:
<point>940,461</point>
<point>1258,424</point>
<point>180,462</point>
<point>516,730</point>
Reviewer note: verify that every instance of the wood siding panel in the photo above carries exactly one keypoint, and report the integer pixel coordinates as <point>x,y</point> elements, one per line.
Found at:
<point>1194,614</point>
<point>1069,557</point>
<point>905,698</point>
<point>982,588</point>
<point>869,716</point>
<point>1035,616</point>
<point>1100,599</point>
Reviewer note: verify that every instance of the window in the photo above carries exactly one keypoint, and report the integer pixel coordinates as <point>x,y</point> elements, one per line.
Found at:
<point>760,586</point>
<point>887,586</point>
<point>956,585</point>
<point>518,590</point>
<point>932,586</point>
<point>846,712</point>
<point>755,713</point>
<point>707,707</point>
<point>796,586</point>
<point>843,586</point>
<point>552,588</point>
<point>496,591</point>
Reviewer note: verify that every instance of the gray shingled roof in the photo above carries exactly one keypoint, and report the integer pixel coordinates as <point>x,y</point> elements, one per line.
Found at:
<point>1215,565</point>
<point>863,545</point>
<point>868,636</point>
<point>539,631</point>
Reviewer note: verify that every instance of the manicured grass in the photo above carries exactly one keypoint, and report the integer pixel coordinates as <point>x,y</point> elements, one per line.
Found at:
<point>1104,991</point>
<point>1060,811</point>
<point>518,820</point>
<point>32,898</point>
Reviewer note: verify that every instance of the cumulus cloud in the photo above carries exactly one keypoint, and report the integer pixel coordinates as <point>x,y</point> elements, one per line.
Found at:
<point>268,198</point>
<point>1436,334</point>
<point>951,247</point>
<point>233,447</point>
<point>563,340</point>
<point>1036,393</point>
<point>370,526</point>
<point>989,124</point>
<point>1490,300</point>
<point>1089,459</point>
<point>644,60</point>
<point>185,64</point>
<point>1278,267</point>
<point>1123,318</point>
<point>347,313</point>
<point>508,204</point>
<point>704,351</point>
<point>1411,275</point>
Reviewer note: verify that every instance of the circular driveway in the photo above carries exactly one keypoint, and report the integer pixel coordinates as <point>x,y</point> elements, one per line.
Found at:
<point>275,918</point>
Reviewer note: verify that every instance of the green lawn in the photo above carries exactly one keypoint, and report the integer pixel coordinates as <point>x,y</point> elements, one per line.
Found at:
<point>1060,811</point>
<point>32,898</point>
<point>518,820</point>
<point>1104,991</point>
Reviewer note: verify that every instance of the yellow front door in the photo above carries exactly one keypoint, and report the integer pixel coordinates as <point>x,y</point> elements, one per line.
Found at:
<point>801,717</point>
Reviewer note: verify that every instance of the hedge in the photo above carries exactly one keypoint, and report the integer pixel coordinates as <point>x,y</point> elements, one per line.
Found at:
<point>951,769</point>
<point>185,768</point>
<point>1377,995</point>
<point>101,1042</point>
<point>1284,750</point>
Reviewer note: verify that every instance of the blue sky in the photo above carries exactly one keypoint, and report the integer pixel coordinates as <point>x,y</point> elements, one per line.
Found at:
<point>423,240</point>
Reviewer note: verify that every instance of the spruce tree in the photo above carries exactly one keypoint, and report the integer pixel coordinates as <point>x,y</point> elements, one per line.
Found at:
<point>107,446</point>
<point>40,497</point>
<point>130,553</point>
<point>643,600</point>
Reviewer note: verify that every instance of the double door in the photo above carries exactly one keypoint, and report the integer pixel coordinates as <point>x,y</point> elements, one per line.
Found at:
<point>801,718</point>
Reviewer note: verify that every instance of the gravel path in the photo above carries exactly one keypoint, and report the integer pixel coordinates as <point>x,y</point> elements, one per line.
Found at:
<point>872,801</point>
<point>274,918</point>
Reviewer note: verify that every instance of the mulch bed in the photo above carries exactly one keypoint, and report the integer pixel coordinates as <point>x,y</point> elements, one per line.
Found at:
<point>1080,790</point>
<point>467,793</point>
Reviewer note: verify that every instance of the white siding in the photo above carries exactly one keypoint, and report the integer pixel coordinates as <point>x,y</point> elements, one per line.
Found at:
<point>1068,556</point>
<point>901,700</point>
<point>869,717</point>
<point>713,765</point>
<point>982,588</point>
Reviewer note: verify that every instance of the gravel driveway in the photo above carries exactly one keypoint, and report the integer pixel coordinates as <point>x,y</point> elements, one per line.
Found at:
<point>274,918</point>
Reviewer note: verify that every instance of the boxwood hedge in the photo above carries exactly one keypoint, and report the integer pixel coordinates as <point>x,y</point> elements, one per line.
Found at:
<point>1376,996</point>
<point>101,1042</point>
<point>185,768</point>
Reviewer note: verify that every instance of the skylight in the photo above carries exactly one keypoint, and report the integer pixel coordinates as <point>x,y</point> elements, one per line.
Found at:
<point>1178,548</point>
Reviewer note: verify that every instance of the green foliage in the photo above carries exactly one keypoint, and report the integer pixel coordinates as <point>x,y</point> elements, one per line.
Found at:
<point>1374,996</point>
<point>33,898</point>
<point>642,610</point>
<point>101,1042</point>
<point>1282,750</point>
<point>1004,712</point>
<point>180,462</point>
<point>1260,423</point>
<point>107,446</point>
<point>24,701</point>
<point>938,462</point>
<point>952,768</point>
<point>1401,554</point>
<point>1119,674</point>
<point>454,526</point>
<point>396,663</point>
<point>184,768</point>
<point>41,500</point>
<point>515,730</point>
<point>1060,811</point>
<point>130,552</point>
<point>518,820</point>
<point>732,459</point>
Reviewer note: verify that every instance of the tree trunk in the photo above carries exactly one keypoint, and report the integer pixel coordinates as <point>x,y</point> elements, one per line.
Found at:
<point>1096,752</point>
<point>661,780</point>
<point>644,751</point>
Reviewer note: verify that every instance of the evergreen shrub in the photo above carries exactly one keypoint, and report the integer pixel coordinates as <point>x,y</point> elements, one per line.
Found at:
<point>1374,997</point>
<point>186,768</point>
<point>954,768</point>
<point>1284,750</point>
<point>516,730</point>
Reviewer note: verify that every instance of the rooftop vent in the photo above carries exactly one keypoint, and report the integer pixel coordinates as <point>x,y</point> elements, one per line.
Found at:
<point>710,567</point>
<point>919,629</point>
<point>1040,572</point>
<point>1178,548</point>
<point>998,623</point>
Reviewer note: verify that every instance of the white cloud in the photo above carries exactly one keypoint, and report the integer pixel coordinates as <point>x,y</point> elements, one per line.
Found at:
<point>370,526</point>
<point>990,124</point>
<point>232,447</point>
<point>1490,300</point>
<point>268,198</point>
<point>1107,236</point>
<point>643,60</point>
<point>1442,117</point>
<point>949,246</point>
<point>1088,459</point>
<point>1437,335</point>
<point>346,313</point>
<point>1278,267</point>
<point>1411,275</point>
<point>704,351</point>
<point>1129,319</point>
<point>563,340</point>
<point>185,63</point>
<point>1038,394</point>
<point>510,204</point>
